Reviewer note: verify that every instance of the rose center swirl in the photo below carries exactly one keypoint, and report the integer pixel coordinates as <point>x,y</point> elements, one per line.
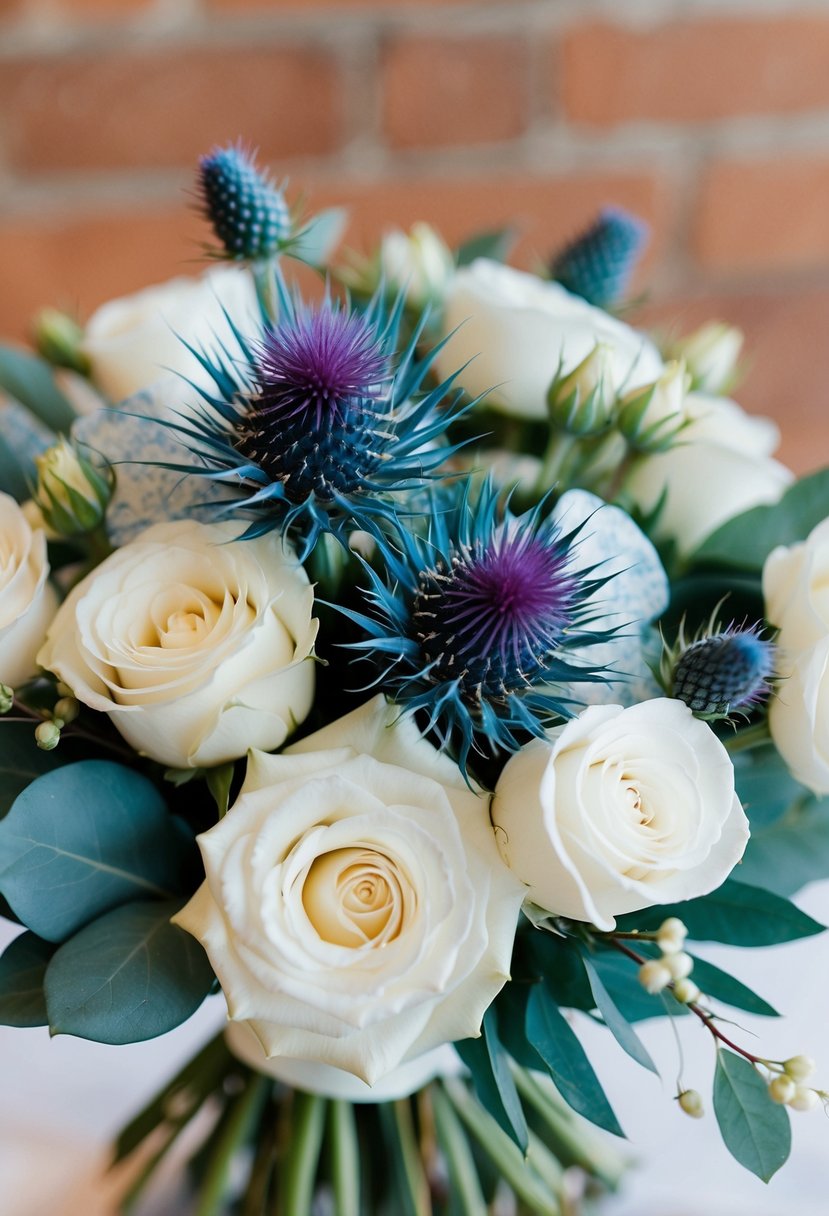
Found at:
<point>356,897</point>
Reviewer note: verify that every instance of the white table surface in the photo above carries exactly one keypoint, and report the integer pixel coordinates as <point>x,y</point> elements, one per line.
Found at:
<point>62,1099</point>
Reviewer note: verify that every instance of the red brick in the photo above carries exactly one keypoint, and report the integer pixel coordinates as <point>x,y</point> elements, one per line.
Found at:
<point>786,368</point>
<point>161,109</point>
<point>763,215</point>
<point>439,92</point>
<point>695,70</point>
<point>259,6</point>
<point>544,211</point>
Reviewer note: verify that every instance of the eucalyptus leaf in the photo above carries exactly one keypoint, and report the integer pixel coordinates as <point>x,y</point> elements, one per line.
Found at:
<point>791,852</point>
<point>30,381</point>
<point>748,539</point>
<point>620,978</point>
<point>735,914</point>
<point>724,987</point>
<point>766,789</point>
<point>489,1064</point>
<point>16,477</point>
<point>129,976</point>
<point>618,1026</point>
<point>22,970</point>
<point>756,1131</point>
<point>321,236</point>
<point>572,1073</point>
<point>84,838</point>
<point>495,245</point>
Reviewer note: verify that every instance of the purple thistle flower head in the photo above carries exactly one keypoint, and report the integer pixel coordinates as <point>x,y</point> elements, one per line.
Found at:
<point>496,614</point>
<point>321,384</point>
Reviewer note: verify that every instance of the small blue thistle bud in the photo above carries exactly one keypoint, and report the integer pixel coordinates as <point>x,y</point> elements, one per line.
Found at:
<point>598,264</point>
<point>246,209</point>
<point>724,673</point>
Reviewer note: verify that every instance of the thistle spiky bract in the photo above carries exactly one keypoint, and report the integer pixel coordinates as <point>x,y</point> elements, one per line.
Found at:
<point>318,425</point>
<point>598,263</point>
<point>720,672</point>
<point>474,620</point>
<point>247,211</point>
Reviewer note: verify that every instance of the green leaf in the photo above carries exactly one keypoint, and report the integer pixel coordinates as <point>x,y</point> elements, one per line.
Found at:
<point>735,914</point>
<point>620,977</point>
<point>571,1071</point>
<point>792,852</point>
<point>321,236</point>
<point>724,987</point>
<point>460,1160</point>
<point>82,839</point>
<point>30,381</point>
<point>618,1026</point>
<point>489,1064</point>
<point>765,787</point>
<point>756,1130</point>
<point>22,968</point>
<point>219,781</point>
<point>21,760</point>
<point>748,539</point>
<point>558,962</point>
<point>129,976</point>
<point>495,245</point>
<point>16,477</point>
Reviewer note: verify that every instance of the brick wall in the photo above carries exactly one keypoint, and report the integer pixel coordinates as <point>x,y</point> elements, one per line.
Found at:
<point>710,118</point>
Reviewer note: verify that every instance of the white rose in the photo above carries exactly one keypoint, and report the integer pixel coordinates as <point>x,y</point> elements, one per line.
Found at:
<point>418,262</point>
<point>316,1078</point>
<point>711,354</point>
<point>620,809</point>
<point>796,590</point>
<point>132,342</point>
<point>197,648</point>
<point>356,910</point>
<point>27,599</point>
<point>719,467</point>
<point>519,331</point>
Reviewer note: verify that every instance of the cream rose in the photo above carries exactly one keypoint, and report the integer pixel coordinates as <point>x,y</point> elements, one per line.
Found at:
<point>719,466</point>
<point>27,599</point>
<point>356,910</point>
<point>518,331</point>
<point>620,809</point>
<point>196,647</point>
<point>796,590</point>
<point>134,341</point>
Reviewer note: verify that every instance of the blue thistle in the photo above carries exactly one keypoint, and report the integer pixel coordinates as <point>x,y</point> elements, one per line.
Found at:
<point>724,673</point>
<point>319,427</point>
<point>473,622</point>
<point>246,209</point>
<point>598,264</point>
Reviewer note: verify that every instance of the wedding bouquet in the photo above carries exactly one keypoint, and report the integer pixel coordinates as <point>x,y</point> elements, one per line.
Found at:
<point>423,667</point>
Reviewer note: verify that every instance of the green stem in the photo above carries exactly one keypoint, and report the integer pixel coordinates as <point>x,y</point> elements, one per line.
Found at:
<point>345,1158</point>
<point>264,280</point>
<point>462,1172</point>
<point>752,736</point>
<point>243,1115</point>
<point>300,1165</point>
<point>557,457</point>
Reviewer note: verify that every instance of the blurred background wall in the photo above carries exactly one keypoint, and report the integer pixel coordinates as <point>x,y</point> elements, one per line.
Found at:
<point>709,118</point>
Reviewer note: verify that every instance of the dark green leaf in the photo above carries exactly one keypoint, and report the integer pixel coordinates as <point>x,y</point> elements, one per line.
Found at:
<point>620,977</point>
<point>219,781</point>
<point>557,961</point>
<point>128,976</point>
<point>724,987</point>
<point>16,476</point>
<point>736,914</point>
<point>21,760</point>
<point>487,1061</point>
<point>82,839</point>
<point>557,1045</point>
<point>792,852</point>
<point>30,381</point>
<point>621,1030</point>
<point>747,540</point>
<point>765,787</point>
<point>495,245</point>
<point>22,969</point>
<point>756,1130</point>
